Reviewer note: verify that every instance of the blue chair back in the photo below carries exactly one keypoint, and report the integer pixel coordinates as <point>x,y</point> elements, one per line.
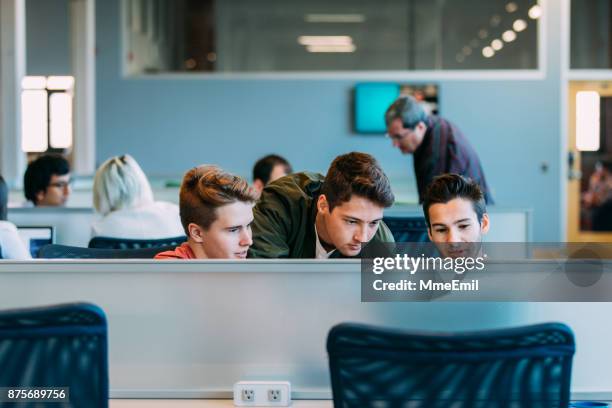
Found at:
<point>120,243</point>
<point>56,346</point>
<point>52,251</point>
<point>407,229</point>
<point>509,368</point>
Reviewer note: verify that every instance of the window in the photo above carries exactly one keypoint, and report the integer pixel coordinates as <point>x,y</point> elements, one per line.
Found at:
<point>340,35</point>
<point>591,34</point>
<point>46,113</point>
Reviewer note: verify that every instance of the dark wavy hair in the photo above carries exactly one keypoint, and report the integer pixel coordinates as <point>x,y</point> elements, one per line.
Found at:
<point>356,174</point>
<point>38,174</point>
<point>447,187</point>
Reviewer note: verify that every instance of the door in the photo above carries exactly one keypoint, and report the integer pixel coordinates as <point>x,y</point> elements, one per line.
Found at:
<point>590,161</point>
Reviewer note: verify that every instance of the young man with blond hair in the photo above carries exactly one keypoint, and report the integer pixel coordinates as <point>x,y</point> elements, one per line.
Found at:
<point>216,211</point>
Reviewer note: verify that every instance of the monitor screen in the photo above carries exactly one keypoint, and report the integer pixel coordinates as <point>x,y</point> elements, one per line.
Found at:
<point>373,98</point>
<point>36,237</point>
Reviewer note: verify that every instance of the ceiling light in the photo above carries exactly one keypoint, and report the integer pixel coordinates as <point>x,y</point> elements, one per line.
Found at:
<point>325,40</point>
<point>519,25</point>
<point>497,44</point>
<point>488,52</point>
<point>482,34</point>
<point>511,7</point>
<point>535,12</point>
<point>509,36</point>
<point>334,18</point>
<point>331,48</point>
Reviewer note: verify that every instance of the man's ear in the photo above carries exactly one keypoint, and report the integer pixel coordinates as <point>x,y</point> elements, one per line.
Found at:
<point>258,185</point>
<point>484,223</point>
<point>196,233</point>
<point>40,195</point>
<point>322,204</point>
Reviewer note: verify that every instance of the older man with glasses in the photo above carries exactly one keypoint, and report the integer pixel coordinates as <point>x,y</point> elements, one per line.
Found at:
<point>438,146</point>
<point>46,181</point>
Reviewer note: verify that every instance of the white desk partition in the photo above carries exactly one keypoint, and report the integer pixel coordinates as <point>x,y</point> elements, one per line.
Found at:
<point>507,224</point>
<point>72,225</point>
<point>192,329</point>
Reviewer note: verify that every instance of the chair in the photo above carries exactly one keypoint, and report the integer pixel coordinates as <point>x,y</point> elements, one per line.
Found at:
<point>510,368</point>
<point>56,346</point>
<point>120,243</point>
<point>407,229</point>
<point>65,251</point>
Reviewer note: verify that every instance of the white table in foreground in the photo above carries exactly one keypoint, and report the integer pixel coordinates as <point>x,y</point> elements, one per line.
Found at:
<point>195,403</point>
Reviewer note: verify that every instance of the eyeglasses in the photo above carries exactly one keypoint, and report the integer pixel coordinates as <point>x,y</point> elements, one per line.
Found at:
<point>61,184</point>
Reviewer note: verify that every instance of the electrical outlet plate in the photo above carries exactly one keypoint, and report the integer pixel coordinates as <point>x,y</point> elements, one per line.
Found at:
<point>262,394</point>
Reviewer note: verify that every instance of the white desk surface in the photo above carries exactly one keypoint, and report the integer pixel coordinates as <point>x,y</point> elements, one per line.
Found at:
<point>201,403</point>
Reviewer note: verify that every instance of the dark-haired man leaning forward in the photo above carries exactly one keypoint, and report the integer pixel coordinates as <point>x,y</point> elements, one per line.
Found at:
<point>307,215</point>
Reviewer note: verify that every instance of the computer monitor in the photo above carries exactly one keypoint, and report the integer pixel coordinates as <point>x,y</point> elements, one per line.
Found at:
<point>36,237</point>
<point>371,100</point>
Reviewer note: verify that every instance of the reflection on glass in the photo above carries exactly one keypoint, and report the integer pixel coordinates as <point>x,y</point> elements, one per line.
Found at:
<point>394,35</point>
<point>591,34</point>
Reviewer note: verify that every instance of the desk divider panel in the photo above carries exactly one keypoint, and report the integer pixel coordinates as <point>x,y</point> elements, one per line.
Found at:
<point>192,329</point>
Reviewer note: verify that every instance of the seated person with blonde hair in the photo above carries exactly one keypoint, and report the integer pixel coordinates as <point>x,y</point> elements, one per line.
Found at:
<point>216,213</point>
<point>123,197</point>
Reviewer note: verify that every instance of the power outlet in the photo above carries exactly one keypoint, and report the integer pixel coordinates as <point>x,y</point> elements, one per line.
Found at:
<point>247,394</point>
<point>262,394</point>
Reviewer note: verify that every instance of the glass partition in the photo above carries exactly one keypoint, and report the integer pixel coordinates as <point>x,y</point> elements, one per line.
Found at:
<point>591,34</point>
<point>316,35</point>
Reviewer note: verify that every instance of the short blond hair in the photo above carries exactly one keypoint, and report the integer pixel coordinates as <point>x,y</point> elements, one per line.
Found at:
<point>120,183</point>
<point>206,188</point>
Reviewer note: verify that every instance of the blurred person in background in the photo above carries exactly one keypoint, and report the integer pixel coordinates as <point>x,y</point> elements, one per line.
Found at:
<point>123,197</point>
<point>269,168</point>
<point>11,246</point>
<point>46,182</point>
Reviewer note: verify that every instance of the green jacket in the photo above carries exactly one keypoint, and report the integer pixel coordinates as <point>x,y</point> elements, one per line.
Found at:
<point>284,225</point>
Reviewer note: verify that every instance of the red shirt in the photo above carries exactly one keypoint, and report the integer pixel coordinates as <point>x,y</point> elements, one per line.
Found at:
<point>180,252</point>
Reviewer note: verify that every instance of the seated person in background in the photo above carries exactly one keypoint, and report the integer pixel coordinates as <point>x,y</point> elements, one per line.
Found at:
<point>268,169</point>
<point>123,197</point>
<point>456,215</point>
<point>46,181</point>
<point>306,215</point>
<point>11,246</point>
<point>216,213</point>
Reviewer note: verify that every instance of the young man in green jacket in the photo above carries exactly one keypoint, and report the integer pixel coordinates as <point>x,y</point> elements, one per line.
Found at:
<point>307,215</point>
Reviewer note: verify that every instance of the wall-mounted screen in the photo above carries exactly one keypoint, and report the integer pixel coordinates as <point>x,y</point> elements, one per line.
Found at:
<point>371,101</point>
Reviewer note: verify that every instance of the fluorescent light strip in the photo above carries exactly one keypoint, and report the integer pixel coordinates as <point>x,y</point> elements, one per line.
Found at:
<point>325,40</point>
<point>334,18</point>
<point>331,48</point>
<point>587,121</point>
